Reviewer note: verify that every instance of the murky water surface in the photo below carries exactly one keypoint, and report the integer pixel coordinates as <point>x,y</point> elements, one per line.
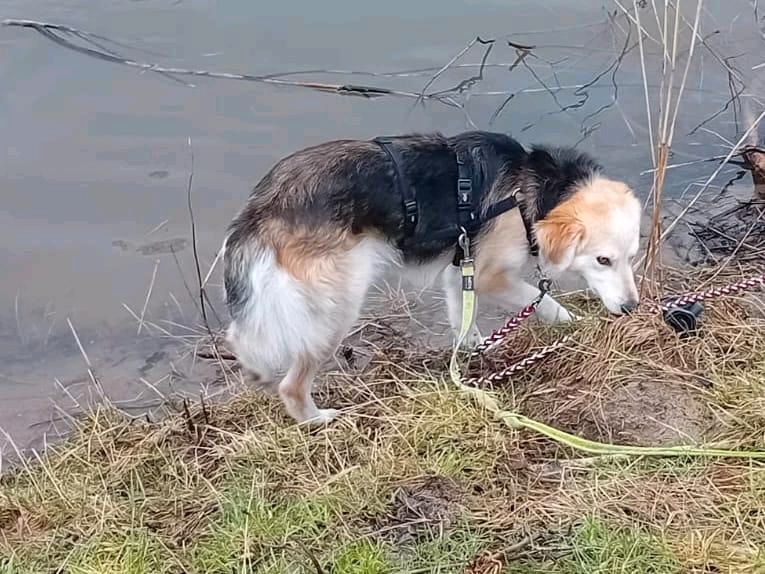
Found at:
<point>95,157</point>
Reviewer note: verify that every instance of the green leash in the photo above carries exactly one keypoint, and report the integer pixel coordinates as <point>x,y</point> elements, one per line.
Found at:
<point>518,421</point>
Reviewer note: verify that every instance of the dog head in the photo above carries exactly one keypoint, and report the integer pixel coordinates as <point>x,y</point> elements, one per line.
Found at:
<point>595,232</point>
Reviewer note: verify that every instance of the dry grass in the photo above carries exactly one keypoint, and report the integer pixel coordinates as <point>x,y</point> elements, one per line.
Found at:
<point>415,478</point>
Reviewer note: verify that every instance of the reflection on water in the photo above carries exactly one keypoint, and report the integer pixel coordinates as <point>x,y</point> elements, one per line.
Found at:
<point>93,179</point>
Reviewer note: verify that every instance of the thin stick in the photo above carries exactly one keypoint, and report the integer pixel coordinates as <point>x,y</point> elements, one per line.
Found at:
<point>645,84</point>
<point>154,388</point>
<point>741,243</point>
<point>687,66</point>
<point>17,313</point>
<point>157,227</point>
<point>636,22</point>
<point>673,62</point>
<point>197,266</point>
<point>212,267</point>
<point>148,324</point>
<point>148,296</point>
<point>177,303</point>
<point>445,67</point>
<point>685,164</point>
<point>49,31</point>
<point>91,372</point>
<point>202,304</point>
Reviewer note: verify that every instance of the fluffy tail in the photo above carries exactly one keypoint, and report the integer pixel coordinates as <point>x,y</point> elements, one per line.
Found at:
<point>278,319</point>
<point>272,317</point>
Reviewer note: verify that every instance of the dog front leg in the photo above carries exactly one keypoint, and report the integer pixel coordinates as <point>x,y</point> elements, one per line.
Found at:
<point>452,286</point>
<point>517,293</point>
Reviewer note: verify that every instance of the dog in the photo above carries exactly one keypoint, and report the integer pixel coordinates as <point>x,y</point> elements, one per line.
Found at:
<point>327,221</point>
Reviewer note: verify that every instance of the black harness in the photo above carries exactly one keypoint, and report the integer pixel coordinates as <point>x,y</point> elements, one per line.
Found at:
<point>470,185</point>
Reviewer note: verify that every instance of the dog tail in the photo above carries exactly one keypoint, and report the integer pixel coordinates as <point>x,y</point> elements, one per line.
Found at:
<point>274,316</point>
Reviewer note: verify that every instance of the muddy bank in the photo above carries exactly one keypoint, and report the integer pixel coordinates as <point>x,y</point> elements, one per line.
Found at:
<point>414,473</point>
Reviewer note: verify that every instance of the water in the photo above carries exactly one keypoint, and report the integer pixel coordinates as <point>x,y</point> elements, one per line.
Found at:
<point>97,156</point>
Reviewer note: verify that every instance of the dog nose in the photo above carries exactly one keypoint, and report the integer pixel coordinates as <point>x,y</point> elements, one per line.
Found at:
<point>629,306</point>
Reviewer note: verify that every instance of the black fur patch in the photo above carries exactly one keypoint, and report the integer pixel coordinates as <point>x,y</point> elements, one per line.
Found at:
<point>557,171</point>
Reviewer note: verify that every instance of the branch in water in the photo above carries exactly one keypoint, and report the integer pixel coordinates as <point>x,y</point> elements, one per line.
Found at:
<point>58,34</point>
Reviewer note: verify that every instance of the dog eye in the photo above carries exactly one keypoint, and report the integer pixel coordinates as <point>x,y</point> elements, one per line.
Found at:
<point>604,261</point>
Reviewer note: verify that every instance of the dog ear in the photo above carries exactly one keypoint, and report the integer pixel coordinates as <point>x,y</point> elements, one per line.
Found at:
<point>559,236</point>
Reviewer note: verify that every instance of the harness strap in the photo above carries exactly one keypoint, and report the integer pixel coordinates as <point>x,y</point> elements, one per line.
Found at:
<point>411,211</point>
<point>469,178</point>
<point>467,218</point>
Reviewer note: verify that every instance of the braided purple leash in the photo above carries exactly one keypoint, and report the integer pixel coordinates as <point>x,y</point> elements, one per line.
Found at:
<point>522,365</point>
<point>513,323</point>
<point>530,360</point>
<point>714,292</point>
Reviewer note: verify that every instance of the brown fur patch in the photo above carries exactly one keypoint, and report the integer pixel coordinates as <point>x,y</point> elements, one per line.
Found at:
<point>580,216</point>
<point>559,231</point>
<point>309,255</point>
<point>503,246</point>
<point>492,281</point>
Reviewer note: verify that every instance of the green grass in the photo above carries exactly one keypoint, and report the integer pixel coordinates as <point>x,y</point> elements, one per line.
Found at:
<point>598,548</point>
<point>413,477</point>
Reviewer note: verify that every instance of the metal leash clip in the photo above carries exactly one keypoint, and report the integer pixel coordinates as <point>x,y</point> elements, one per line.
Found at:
<point>467,268</point>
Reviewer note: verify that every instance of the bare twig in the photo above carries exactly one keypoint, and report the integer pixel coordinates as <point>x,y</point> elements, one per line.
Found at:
<point>668,112</point>
<point>734,252</point>
<point>421,96</point>
<point>148,296</point>
<point>705,186</point>
<point>636,21</point>
<point>733,98</point>
<point>685,164</point>
<point>466,84</point>
<point>687,67</point>
<point>521,55</point>
<point>614,70</point>
<point>88,364</point>
<point>203,300</point>
<point>645,84</point>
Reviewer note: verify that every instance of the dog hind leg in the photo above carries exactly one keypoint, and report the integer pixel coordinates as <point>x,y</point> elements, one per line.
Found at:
<point>336,305</point>
<point>295,392</point>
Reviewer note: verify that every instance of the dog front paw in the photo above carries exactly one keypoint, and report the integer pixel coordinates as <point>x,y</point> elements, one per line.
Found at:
<point>551,311</point>
<point>322,417</point>
<point>564,316</point>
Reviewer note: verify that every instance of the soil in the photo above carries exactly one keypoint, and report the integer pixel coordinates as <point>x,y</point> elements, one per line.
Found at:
<point>430,504</point>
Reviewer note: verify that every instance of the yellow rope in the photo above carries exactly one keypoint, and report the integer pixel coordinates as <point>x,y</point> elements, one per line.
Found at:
<point>517,421</point>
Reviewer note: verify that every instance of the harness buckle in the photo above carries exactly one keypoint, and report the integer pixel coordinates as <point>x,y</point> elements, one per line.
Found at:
<point>465,198</point>
<point>410,211</point>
